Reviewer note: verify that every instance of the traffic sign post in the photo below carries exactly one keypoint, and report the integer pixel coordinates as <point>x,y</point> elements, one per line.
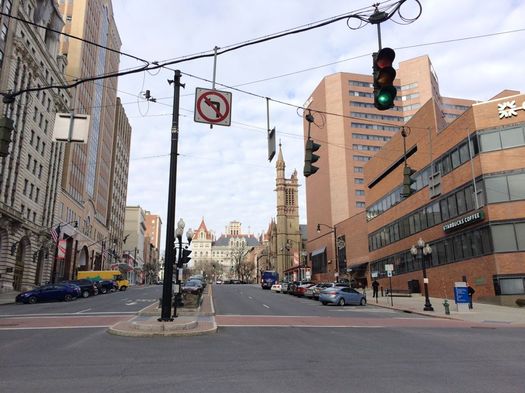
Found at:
<point>212,107</point>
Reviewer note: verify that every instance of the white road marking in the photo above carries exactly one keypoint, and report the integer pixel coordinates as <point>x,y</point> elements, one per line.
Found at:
<point>303,326</point>
<point>54,327</point>
<point>131,304</point>
<point>249,297</point>
<point>87,309</point>
<point>266,306</point>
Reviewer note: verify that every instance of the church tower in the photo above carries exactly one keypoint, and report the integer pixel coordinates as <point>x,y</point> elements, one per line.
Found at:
<point>288,241</point>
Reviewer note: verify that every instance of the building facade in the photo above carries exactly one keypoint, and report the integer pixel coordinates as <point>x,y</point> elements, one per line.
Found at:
<point>468,202</point>
<point>30,173</point>
<point>152,235</point>
<point>89,182</point>
<point>135,234</point>
<point>349,140</point>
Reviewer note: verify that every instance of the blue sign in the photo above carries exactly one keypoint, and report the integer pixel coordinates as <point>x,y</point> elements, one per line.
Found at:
<point>461,295</point>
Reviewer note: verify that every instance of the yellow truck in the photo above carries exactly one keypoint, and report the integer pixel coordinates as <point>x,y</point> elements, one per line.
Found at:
<point>98,275</point>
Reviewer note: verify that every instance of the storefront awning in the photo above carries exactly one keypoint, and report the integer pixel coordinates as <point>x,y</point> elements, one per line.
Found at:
<point>319,251</point>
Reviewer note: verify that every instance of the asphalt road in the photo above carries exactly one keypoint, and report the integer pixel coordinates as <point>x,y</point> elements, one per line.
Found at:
<point>268,359</point>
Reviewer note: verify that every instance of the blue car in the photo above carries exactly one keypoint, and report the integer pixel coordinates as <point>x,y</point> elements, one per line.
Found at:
<point>342,296</point>
<point>47,293</point>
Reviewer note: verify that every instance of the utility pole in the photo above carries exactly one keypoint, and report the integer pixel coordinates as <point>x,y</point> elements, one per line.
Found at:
<point>167,286</point>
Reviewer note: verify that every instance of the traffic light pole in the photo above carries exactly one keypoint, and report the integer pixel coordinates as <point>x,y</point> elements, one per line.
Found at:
<point>167,285</point>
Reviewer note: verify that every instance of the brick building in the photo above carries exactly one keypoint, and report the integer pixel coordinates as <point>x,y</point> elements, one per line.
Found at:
<point>468,202</point>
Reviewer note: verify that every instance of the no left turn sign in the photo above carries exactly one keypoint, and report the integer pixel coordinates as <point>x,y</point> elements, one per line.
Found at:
<point>212,107</point>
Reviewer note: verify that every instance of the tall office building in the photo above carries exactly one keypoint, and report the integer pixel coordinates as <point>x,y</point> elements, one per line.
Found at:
<point>87,177</point>
<point>30,173</point>
<point>351,137</point>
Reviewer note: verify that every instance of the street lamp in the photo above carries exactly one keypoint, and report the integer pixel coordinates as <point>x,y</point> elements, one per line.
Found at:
<point>333,229</point>
<point>425,250</point>
<point>178,234</point>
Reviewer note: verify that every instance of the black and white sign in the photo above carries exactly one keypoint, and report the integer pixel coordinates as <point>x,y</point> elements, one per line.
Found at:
<point>212,107</point>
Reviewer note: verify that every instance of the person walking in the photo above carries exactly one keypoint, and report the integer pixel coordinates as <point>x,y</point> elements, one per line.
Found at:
<point>375,289</point>
<point>470,292</point>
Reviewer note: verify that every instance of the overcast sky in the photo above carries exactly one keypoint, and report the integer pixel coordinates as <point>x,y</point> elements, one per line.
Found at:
<point>223,173</point>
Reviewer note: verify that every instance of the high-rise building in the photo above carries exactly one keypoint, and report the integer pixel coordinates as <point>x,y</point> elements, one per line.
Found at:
<point>152,234</point>
<point>350,131</point>
<point>135,232</point>
<point>30,174</point>
<point>90,169</point>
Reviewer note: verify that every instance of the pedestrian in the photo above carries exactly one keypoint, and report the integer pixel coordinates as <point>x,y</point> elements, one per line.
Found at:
<point>470,292</point>
<point>375,289</point>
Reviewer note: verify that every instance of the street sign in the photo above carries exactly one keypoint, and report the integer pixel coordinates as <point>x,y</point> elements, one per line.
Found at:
<point>212,107</point>
<point>389,273</point>
<point>389,267</point>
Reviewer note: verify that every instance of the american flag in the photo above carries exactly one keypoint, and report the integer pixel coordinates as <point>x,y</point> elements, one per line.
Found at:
<point>55,233</point>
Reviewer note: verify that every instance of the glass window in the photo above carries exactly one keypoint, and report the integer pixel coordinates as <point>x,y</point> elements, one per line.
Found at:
<point>412,225</point>
<point>467,245</point>
<point>430,216</point>
<point>463,153</point>
<point>417,223</point>
<point>458,248</point>
<point>423,219</point>
<point>490,141</point>
<point>396,231</point>
<point>449,250</point>
<point>470,201</point>
<point>504,238</point>
<point>512,286</point>
<point>517,186</point>
<point>496,188</point>
<point>512,137</point>
<point>444,209</point>
<point>485,240</point>
<point>452,206</point>
<point>460,198</point>
<point>520,234</point>
<point>455,158</point>
<point>447,164</point>
<point>437,213</point>
<point>477,249</point>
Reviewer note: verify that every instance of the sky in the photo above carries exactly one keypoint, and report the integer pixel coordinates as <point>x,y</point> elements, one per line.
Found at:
<point>223,173</point>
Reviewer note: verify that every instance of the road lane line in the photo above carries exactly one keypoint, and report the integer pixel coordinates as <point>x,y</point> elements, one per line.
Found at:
<point>266,306</point>
<point>87,309</point>
<point>249,297</point>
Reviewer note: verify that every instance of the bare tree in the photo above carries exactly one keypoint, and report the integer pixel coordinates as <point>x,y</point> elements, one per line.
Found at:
<point>238,253</point>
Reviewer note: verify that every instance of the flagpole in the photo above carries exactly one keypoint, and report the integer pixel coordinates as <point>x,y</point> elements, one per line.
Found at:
<point>55,260</point>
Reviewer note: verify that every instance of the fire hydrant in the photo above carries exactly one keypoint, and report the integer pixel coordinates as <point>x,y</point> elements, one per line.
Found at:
<point>447,307</point>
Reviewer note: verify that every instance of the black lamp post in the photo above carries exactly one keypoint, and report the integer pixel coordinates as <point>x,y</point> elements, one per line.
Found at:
<point>333,230</point>
<point>423,250</point>
<point>178,273</point>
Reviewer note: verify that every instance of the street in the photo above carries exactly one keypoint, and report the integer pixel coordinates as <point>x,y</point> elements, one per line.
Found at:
<point>361,349</point>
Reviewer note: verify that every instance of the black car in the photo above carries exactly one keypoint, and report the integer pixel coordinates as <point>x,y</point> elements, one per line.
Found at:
<point>105,286</point>
<point>192,286</point>
<point>48,293</point>
<point>87,287</point>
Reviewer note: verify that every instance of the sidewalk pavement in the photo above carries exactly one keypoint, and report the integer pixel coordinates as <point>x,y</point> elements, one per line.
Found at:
<point>481,312</point>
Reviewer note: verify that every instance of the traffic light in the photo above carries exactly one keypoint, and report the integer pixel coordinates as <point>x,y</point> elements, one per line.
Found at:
<point>310,157</point>
<point>185,257</point>
<point>407,182</point>
<point>6,128</point>
<point>384,76</point>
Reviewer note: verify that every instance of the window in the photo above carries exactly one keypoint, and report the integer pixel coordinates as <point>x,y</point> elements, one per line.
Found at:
<point>504,238</point>
<point>358,169</point>
<point>360,205</point>
<point>358,180</point>
<point>359,192</point>
<point>490,141</point>
<point>496,188</point>
<point>512,137</point>
<point>517,187</point>
<point>3,34</point>
<point>25,187</point>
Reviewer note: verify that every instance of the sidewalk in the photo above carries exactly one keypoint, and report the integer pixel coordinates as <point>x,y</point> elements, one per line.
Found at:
<point>482,313</point>
<point>189,322</point>
<point>8,297</point>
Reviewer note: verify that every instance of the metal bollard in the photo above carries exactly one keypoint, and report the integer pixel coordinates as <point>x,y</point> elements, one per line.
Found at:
<point>447,307</point>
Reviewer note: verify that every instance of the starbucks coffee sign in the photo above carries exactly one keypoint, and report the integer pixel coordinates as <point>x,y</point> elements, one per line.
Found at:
<point>463,221</point>
<point>509,108</point>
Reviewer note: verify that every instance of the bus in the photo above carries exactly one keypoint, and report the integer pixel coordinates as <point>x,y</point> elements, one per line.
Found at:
<point>268,278</point>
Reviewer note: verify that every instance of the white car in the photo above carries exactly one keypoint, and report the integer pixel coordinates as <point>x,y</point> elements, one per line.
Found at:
<point>276,287</point>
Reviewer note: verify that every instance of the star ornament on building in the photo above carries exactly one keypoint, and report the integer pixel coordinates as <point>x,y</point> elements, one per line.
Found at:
<point>508,109</point>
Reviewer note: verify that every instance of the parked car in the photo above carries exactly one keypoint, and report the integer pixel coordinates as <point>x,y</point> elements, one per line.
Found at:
<point>300,290</point>
<point>192,286</point>
<point>218,282</point>
<point>291,287</point>
<point>276,287</point>
<point>200,278</point>
<point>87,287</point>
<point>342,296</point>
<point>48,293</point>
<point>316,290</point>
<point>295,287</point>
<point>312,290</point>
<point>105,286</point>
